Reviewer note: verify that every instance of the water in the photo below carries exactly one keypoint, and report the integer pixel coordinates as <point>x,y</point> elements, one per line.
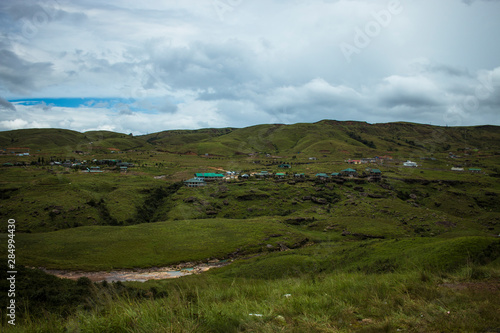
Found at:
<point>139,275</point>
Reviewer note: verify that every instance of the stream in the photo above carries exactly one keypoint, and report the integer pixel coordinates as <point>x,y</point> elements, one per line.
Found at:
<point>140,275</point>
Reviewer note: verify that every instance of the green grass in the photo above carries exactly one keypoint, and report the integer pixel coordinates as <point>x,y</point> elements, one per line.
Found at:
<point>146,245</point>
<point>339,302</point>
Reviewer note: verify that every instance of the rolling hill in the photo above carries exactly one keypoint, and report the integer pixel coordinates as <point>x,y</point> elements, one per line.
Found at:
<point>327,136</point>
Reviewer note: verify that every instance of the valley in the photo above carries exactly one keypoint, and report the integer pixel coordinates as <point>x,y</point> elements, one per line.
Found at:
<point>297,210</point>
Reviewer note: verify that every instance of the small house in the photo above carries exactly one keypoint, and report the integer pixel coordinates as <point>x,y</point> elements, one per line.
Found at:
<point>244,176</point>
<point>280,175</point>
<point>457,169</point>
<point>475,170</point>
<point>375,174</point>
<point>335,174</point>
<point>353,161</point>
<point>285,166</point>
<point>299,175</point>
<point>410,164</point>
<point>195,182</point>
<point>322,176</point>
<point>349,172</point>
<point>368,160</point>
<point>263,174</point>
<point>94,169</point>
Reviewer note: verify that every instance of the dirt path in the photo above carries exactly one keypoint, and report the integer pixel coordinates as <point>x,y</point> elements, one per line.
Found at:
<point>140,275</point>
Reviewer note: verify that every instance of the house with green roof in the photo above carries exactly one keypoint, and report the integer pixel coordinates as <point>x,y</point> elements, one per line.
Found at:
<point>322,176</point>
<point>349,172</point>
<point>280,175</point>
<point>375,174</point>
<point>209,176</point>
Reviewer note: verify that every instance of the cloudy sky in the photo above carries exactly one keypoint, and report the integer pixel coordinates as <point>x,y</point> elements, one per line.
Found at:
<point>145,66</point>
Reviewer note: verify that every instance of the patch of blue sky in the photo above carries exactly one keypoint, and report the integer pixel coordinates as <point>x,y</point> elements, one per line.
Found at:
<point>74,102</point>
<point>149,105</point>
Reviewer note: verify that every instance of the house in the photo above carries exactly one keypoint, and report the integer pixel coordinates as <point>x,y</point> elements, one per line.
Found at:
<point>475,170</point>
<point>209,176</point>
<point>368,160</point>
<point>195,182</point>
<point>349,172</point>
<point>375,174</point>
<point>123,169</point>
<point>353,161</point>
<point>262,174</point>
<point>285,166</point>
<point>94,169</point>
<point>322,176</point>
<point>299,175</point>
<point>335,174</point>
<point>410,164</point>
<point>312,158</point>
<point>457,169</point>
<point>280,175</point>
<point>244,176</point>
<point>383,158</point>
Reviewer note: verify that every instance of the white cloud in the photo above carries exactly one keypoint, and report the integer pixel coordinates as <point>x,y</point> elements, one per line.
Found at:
<point>189,65</point>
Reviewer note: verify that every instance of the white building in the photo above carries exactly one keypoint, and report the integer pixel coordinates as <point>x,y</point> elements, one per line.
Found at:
<point>410,164</point>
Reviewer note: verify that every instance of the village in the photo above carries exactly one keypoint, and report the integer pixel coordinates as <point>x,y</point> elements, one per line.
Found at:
<point>368,168</point>
<point>368,173</point>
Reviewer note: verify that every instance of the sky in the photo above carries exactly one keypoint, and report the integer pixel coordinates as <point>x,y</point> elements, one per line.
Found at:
<point>147,66</point>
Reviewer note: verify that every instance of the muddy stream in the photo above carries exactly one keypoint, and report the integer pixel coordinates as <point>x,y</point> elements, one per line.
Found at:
<point>140,275</point>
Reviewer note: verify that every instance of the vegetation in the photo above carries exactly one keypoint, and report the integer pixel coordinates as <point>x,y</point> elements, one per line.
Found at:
<point>416,251</point>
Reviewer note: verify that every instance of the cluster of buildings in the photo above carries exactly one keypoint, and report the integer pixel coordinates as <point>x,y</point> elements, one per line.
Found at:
<point>372,174</point>
<point>83,165</point>
<point>376,159</point>
<point>202,179</point>
<point>16,151</point>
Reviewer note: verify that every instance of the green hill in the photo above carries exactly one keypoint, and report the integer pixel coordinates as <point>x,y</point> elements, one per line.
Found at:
<point>327,136</point>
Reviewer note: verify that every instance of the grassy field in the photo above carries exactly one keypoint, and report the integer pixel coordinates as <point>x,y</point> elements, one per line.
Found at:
<point>417,285</point>
<point>416,252</point>
<point>147,245</point>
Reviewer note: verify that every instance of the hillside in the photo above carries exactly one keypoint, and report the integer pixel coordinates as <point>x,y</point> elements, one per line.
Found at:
<point>340,139</point>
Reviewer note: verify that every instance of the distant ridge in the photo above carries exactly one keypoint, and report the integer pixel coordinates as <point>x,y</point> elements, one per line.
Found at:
<point>325,136</point>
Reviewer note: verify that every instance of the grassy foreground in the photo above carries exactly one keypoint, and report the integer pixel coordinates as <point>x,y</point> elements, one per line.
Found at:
<point>152,244</point>
<point>416,301</point>
<point>417,284</point>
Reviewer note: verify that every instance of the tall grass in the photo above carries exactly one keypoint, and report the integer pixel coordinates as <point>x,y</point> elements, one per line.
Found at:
<point>339,302</point>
